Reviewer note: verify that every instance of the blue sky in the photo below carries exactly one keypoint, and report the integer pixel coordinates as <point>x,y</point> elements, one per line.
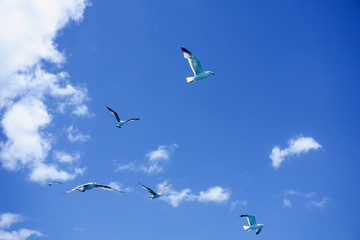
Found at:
<point>274,133</point>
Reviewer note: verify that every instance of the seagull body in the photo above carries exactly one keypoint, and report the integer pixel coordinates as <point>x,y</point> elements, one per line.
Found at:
<point>91,185</point>
<point>252,224</point>
<point>51,183</point>
<point>154,194</point>
<point>120,122</point>
<point>195,65</point>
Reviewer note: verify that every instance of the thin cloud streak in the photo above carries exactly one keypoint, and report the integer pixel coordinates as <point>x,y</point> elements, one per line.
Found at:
<point>155,160</point>
<point>310,198</point>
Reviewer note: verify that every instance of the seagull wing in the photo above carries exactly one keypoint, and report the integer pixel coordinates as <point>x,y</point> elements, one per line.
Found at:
<point>258,231</point>
<point>115,114</point>
<point>57,182</point>
<point>250,218</point>
<point>165,188</point>
<point>76,188</point>
<point>107,188</point>
<point>148,189</point>
<point>132,119</point>
<point>193,61</point>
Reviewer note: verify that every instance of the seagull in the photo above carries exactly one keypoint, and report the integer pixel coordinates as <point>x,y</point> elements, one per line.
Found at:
<point>118,119</point>
<point>91,185</point>
<point>252,224</point>
<point>154,194</point>
<point>51,183</point>
<point>199,73</point>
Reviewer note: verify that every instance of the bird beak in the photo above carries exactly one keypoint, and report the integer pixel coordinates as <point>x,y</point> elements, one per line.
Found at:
<point>212,73</point>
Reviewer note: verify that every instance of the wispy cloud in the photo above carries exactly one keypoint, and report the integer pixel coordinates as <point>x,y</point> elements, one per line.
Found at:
<point>27,89</point>
<point>312,199</point>
<point>155,160</point>
<point>214,194</point>
<point>236,203</point>
<point>320,204</point>
<point>286,202</point>
<point>65,157</point>
<point>119,186</point>
<point>296,147</point>
<point>74,135</point>
<point>8,219</point>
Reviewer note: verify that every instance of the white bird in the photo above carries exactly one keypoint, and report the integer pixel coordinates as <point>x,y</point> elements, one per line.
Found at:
<point>91,185</point>
<point>118,119</point>
<point>51,183</point>
<point>154,194</point>
<point>199,73</point>
<point>252,224</point>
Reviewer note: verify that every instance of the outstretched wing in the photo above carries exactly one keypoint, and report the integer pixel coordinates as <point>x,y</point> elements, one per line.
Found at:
<point>115,114</point>
<point>107,188</point>
<point>148,189</point>
<point>75,188</point>
<point>165,188</point>
<point>250,218</point>
<point>193,61</point>
<point>132,119</point>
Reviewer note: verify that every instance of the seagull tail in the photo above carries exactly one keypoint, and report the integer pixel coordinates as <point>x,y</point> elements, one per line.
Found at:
<point>246,228</point>
<point>190,79</point>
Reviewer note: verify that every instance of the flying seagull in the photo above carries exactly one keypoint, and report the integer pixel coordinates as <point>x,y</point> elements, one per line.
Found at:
<point>252,224</point>
<point>118,119</point>
<point>154,194</point>
<point>195,65</point>
<point>91,185</point>
<point>51,183</point>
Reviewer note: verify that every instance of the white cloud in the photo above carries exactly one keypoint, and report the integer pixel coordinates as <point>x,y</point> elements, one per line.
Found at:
<point>320,204</point>
<point>238,202</point>
<point>6,220</point>
<point>296,147</point>
<point>214,194</point>
<point>119,186</point>
<point>65,157</point>
<point>162,153</point>
<point>28,29</point>
<point>174,198</point>
<point>155,160</point>
<point>81,110</point>
<point>287,202</point>
<point>43,172</point>
<point>73,135</point>
<point>26,145</point>
<point>21,234</point>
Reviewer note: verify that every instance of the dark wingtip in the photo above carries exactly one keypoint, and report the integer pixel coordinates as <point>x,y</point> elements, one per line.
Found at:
<point>184,50</point>
<point>243,215</point>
